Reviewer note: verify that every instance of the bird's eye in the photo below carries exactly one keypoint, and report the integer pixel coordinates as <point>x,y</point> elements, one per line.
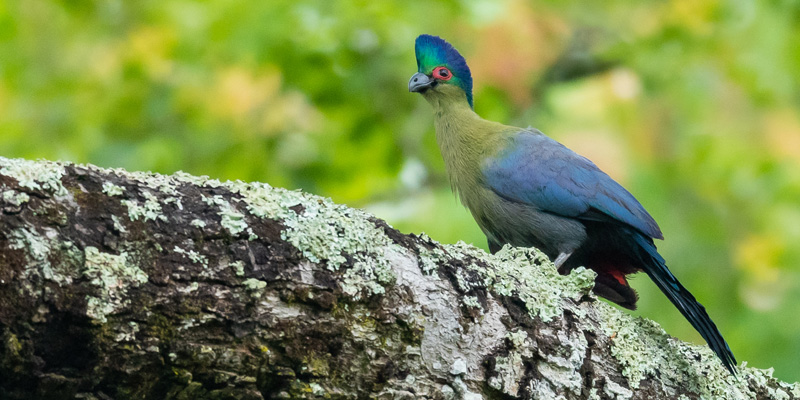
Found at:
<point>442,73</point>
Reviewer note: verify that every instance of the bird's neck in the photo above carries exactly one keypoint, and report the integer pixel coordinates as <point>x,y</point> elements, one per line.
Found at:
<point>465,140</point>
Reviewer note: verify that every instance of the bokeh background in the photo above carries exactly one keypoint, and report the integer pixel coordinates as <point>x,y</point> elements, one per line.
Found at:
<point>694,105</point>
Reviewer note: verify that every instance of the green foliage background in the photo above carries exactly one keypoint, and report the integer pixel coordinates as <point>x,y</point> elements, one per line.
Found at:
<point>691,104</point>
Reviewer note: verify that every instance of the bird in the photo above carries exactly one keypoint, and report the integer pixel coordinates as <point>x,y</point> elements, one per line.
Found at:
<point>525,189</point>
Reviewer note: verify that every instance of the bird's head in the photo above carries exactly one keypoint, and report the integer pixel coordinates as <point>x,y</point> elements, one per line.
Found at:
<point>441,70</point>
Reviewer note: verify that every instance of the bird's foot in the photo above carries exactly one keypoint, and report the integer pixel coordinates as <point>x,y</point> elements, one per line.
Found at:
<point>561,259</point>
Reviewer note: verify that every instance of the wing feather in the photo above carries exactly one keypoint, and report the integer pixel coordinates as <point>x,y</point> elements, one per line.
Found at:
<point>536,170</point>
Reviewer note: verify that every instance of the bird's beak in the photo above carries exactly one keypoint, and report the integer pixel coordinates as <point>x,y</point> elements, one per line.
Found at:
<point>419,83</point>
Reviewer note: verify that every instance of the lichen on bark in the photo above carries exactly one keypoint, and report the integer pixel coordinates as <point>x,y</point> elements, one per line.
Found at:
<point>122,285</point>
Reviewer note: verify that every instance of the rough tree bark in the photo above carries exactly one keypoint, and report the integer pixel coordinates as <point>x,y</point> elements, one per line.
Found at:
<point>142,286</point>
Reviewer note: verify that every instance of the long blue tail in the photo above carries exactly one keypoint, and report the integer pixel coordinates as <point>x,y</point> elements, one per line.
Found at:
<point>657,269</point>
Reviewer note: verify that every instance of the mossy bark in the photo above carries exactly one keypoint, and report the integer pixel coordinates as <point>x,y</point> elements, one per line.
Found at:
<point>117,285</point>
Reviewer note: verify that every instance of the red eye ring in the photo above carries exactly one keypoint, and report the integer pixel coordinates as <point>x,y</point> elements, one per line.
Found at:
<point>442,73</point>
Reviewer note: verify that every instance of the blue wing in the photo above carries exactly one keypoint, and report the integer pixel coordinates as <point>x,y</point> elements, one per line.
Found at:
<point>536,170</point>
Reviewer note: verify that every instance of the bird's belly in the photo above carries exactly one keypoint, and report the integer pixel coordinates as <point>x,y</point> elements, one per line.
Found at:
<point>506,222</point>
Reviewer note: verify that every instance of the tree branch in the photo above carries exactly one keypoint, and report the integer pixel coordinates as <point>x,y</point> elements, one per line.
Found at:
<point>134,285</point>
